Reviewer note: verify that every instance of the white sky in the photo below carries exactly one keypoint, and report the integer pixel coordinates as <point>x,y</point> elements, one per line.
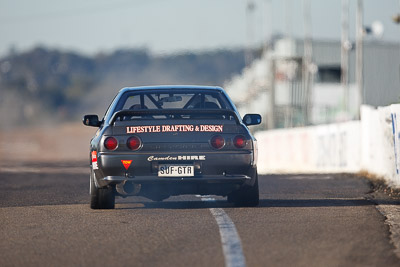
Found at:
<point>170,26</point>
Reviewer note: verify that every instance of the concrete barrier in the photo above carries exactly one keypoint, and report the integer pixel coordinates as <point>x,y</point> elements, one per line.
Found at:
<point>325,148</point>
<point>372,144</point>
<point>395,114</point>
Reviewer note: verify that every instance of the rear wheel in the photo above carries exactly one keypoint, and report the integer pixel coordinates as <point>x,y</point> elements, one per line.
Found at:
<point>247,196</point>
<point>101,198</point>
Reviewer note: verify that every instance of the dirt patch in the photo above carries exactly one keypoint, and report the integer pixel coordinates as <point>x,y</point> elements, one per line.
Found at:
<point>387,201</point>
<point>380,185</point>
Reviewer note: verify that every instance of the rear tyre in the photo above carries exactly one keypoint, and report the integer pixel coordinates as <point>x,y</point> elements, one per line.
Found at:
<point>101,198</point>
<point>247,196</point>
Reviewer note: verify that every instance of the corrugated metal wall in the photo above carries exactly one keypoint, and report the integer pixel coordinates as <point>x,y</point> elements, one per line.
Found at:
<point>381,67</point>
<point>381,74</point>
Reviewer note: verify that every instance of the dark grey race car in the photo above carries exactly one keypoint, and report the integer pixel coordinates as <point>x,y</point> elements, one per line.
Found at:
<point>161,141</point>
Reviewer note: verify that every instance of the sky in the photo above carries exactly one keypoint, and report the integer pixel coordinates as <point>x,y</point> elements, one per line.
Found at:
<point>173,26</point>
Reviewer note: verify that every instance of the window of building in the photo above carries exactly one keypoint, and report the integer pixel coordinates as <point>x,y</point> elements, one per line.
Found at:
<point>328,74</point>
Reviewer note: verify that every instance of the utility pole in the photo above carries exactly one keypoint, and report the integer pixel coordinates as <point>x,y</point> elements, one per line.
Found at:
<point>267,23</point>
<point>271,115</point>
<point>307,61</point>
<point>250,6</point>
<point>288,19</point>
<point>359,54</point>
<point>270,87</point>
<point>345,46</point>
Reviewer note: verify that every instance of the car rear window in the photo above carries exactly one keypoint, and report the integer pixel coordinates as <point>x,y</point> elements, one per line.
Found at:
<point>171,100</point>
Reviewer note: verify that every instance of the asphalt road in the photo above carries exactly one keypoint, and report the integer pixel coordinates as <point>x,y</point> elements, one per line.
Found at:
<point>302,220</point>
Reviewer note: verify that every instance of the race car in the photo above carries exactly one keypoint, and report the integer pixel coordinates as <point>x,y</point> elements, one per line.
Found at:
<point>162,141</point>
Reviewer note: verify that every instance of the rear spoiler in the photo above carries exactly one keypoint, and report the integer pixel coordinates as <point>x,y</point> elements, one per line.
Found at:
<point>127,112</point>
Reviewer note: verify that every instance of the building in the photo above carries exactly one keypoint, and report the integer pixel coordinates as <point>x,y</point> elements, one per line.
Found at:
<point>290,92</point>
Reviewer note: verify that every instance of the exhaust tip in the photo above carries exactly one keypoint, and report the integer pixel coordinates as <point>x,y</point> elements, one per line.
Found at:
<point>128,188</point>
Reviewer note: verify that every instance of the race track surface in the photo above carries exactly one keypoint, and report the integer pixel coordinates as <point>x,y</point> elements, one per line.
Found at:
<point>302,220</point>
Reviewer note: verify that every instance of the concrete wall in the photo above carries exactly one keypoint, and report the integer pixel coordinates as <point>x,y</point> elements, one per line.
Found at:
<point>381,142</point>
<point>372,144</point>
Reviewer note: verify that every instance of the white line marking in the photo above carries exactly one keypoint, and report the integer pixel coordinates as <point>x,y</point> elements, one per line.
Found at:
<point>310,177</point>
<point>230,239</point>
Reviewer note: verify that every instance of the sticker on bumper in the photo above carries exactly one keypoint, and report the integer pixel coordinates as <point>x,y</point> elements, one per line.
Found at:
<point>171,158</point>
<point>126,163</point>
<point>174,128</point>
<point>94,160</point>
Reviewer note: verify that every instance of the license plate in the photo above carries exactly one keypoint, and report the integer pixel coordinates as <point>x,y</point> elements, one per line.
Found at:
<point>170,170</point>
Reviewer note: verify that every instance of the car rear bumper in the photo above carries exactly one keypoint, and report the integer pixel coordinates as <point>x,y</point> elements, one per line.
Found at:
<point>214,168</point>
<point>206,179</point>
<point>216,174</point>
<point>205,185</point>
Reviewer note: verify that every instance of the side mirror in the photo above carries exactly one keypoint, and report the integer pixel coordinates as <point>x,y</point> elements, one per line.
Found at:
<point>91,120</point>
<point>252,119</point>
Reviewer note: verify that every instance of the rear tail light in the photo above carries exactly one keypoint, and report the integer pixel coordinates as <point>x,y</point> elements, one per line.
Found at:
<point>111,143</point>
<point>134,143</point>
<point>239,141</point>
<point>217,142</point>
